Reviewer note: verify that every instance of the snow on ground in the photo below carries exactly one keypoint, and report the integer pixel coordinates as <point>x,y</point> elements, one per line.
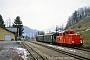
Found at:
<point>10,50</point>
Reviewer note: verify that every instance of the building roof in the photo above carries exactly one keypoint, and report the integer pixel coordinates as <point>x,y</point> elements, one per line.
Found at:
<point>6,29</point>
<point>11,29</point>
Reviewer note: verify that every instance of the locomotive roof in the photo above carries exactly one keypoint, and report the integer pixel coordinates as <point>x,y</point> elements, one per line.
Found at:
<point>65,31</point>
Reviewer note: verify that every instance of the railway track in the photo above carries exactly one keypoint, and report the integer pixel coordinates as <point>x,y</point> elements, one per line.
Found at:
<point>78,48</point>
<point>64,52</point>
<point>82,49</point>
<point>34,55</point>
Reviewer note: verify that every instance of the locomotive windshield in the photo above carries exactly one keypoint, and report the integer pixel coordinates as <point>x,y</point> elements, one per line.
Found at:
<point>66,32</point>
<point>71,32</point>
<point>60,34</point>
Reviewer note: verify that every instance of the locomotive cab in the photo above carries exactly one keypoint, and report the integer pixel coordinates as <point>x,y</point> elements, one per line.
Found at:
<point>73,39</point>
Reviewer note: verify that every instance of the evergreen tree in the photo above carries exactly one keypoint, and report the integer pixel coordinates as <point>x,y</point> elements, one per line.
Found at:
<point>2,21</point>
<point>56,28</point>
<point>18,24</point>
<point>75,17</point>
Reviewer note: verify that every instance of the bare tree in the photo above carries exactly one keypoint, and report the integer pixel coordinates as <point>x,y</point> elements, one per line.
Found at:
<point>40,32</point>
<point>77,16</point>
<point>8,23</point>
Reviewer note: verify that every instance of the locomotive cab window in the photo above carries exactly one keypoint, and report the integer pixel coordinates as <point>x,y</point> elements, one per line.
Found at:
<point>71,32</point>
<point>60,34</point>
<point>66,32</point>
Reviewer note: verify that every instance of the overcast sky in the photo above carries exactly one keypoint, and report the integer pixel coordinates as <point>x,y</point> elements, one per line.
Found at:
<point>40,14</point>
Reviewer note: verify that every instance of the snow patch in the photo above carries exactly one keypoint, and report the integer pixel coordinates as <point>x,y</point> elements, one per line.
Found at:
<point>72,50</point>
<point>23,53</point>
<point>87,29</point>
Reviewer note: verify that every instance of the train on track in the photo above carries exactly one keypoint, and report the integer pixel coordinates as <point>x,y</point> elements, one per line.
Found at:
<point>65,38</point>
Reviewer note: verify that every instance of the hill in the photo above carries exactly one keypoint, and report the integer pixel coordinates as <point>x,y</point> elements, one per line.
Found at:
<point>83,28</point>
<point>28,31</point>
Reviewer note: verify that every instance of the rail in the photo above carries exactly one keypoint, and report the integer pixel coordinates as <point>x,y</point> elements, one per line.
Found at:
<point>64,52</point>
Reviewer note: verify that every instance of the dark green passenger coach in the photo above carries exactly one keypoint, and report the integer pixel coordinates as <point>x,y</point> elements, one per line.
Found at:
<point>49,38</point>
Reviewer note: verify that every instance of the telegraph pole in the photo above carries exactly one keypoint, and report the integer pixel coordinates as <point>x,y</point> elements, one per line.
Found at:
<point>18,32</point>
<point>56,28</point>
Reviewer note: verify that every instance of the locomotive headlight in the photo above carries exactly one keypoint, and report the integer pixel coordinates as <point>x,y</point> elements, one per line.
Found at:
<point>72,41</point>
<point>81,41</point>
<point>76,34</point>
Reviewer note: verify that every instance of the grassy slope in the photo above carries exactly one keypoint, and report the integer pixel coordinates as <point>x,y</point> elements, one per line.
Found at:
<point>85,24</point>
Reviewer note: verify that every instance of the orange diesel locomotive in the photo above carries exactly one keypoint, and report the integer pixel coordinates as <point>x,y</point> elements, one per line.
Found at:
<point>68,38</point>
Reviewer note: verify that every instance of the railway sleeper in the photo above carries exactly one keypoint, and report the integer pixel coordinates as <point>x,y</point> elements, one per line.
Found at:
<point>67,53</point>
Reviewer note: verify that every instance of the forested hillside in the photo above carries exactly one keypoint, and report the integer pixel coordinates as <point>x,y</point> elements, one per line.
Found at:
<point>77,16</point>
